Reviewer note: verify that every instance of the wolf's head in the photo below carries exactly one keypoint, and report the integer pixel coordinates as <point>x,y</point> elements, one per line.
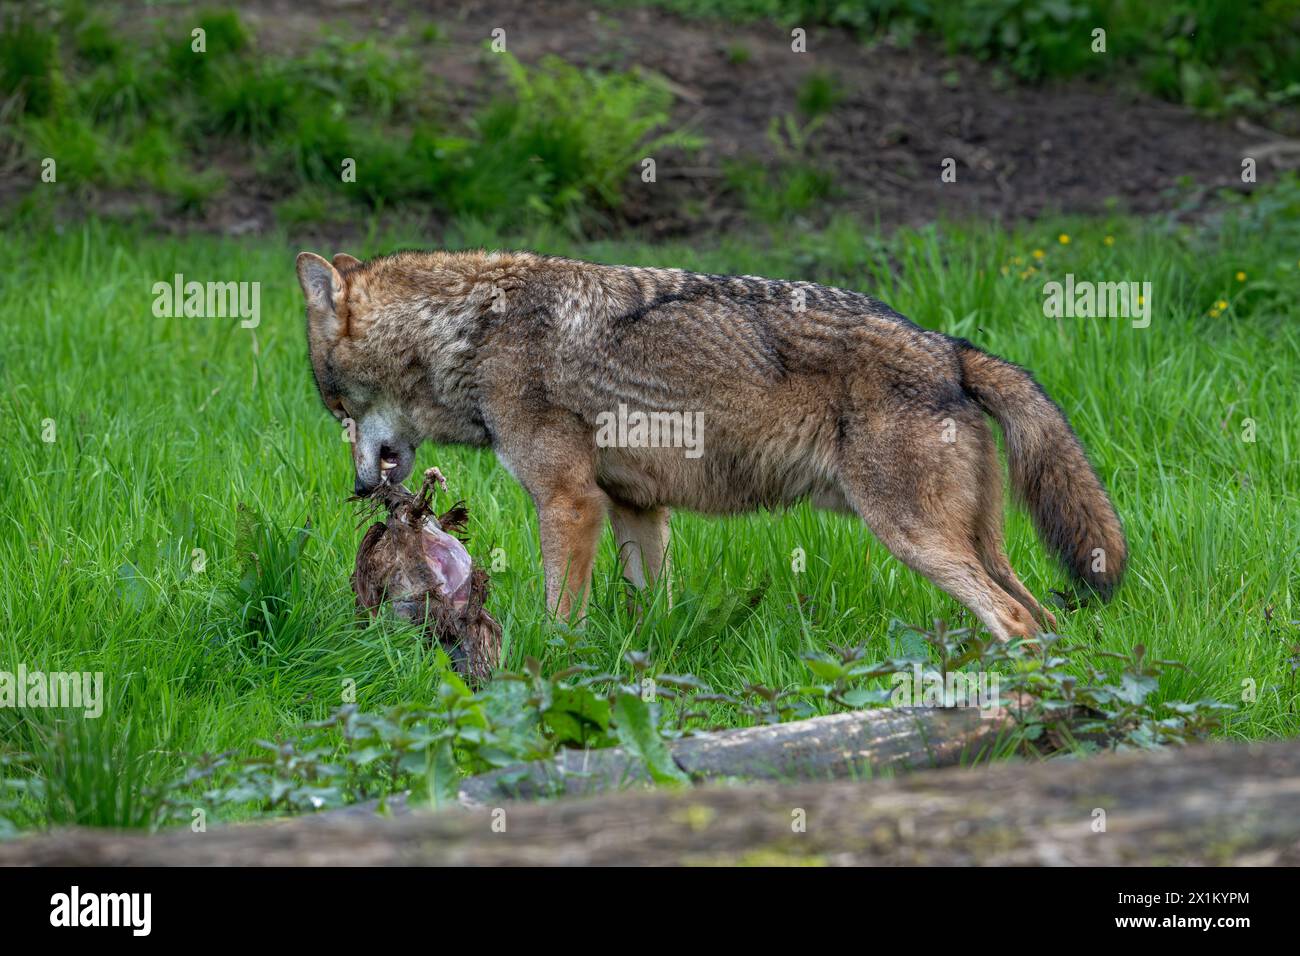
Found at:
<point>356,382</point>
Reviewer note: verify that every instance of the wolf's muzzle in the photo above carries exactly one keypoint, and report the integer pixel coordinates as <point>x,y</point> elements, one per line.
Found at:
<point>393,466</point>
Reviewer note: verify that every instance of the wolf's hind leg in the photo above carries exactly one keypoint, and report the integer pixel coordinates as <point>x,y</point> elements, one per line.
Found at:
<point>989,540</point>
<point>922,498</point>
<point>995,562</point>
<point>641,536</point>
<point>956,569</point>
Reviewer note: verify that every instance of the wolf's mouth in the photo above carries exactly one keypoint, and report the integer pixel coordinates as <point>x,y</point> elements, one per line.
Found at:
<point>385,466</point>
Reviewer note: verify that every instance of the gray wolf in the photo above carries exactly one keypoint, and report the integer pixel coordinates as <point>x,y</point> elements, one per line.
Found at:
<point>801,392</point>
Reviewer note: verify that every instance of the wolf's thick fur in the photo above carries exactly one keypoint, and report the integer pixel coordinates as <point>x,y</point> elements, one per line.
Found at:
<point>805,392</point>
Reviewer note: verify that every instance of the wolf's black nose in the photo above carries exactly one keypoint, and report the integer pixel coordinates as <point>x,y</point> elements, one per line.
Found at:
<point>361,489</point>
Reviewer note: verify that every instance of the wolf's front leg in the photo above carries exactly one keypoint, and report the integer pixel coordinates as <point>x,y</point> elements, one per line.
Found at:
<point>641,535</point>
<point>570,522</point>
<point>552,454</point>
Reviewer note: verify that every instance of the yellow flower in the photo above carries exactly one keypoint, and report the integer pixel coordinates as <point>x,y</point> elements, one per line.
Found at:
<point>1017,260</point>
<point>1005,270</point>
<point>1221,305</point>
<point>1063,239</point>
<point>1109,240</point>
<point>1241,277</point>
<point>1039,253</point>
<point>1142,300</point>
<point>1214,313</point>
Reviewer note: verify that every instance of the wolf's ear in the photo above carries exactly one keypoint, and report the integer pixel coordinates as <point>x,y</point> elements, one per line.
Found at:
<point>322,286</point>
<point>343,261</point>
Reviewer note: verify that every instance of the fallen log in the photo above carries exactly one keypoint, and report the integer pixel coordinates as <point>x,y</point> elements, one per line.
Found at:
<point>860,743</point>
<point>1219,804</point>
<point>852,745</point>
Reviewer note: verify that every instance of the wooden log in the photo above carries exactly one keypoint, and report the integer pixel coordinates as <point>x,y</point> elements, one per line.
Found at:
<point>851,745</point>
<point>854,745</point>
<point>1225,803</point>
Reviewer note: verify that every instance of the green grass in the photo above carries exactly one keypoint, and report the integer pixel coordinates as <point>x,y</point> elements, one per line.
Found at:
<point>173,435</point>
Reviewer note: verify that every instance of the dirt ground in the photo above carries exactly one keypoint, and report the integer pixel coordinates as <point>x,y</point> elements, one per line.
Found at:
<point>1020,151</point>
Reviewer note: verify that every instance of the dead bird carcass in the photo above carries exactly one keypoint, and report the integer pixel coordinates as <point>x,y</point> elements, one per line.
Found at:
<point>414,562</point>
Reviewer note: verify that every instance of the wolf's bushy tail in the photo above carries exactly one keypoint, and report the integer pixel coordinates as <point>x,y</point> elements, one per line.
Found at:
<point>1050,473</point>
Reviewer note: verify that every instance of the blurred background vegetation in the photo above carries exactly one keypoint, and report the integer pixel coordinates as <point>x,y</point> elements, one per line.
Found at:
<point>1201,52</point>
<point>119,96</point>
<point>148,112</point>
